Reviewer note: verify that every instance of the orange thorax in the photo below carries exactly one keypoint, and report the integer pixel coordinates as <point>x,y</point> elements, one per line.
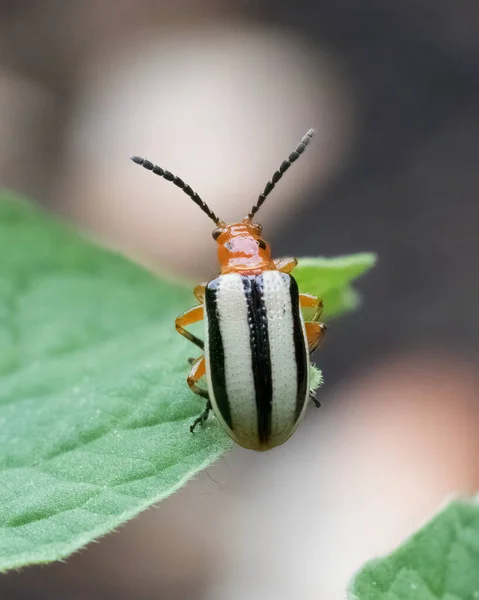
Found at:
<point>241,249</point>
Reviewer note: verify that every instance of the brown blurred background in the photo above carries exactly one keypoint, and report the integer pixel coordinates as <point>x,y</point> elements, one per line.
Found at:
<point>220,92</point>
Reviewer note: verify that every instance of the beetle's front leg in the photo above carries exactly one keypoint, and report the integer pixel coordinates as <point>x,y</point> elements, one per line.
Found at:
<point>193,315</point>
<point>285,265</point>
<point>198,370</point>
<point>199,292</point>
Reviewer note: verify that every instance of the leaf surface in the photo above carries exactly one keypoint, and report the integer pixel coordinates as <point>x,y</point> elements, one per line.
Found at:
<point>94,408</point>
<point>439,562</point>
<point>331,279</point>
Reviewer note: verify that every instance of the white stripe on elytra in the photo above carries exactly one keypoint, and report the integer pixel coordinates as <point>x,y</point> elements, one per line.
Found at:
<point>235,333</point>
<point>279,311</point>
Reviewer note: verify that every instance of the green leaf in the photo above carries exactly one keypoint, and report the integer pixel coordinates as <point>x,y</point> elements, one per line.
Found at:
<point>440,561</point>
<point>330,278</point>
<point>94,408</point>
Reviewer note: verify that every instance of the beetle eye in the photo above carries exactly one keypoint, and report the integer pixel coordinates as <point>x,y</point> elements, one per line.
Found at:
<point>217,232</point>
<point>261,244</point>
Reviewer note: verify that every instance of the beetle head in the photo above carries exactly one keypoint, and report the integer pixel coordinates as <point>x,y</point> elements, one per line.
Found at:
<point>241,247</point>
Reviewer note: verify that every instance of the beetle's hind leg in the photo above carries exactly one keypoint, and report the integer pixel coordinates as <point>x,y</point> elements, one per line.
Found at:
<point>198,370</point>
<point>202,418</point>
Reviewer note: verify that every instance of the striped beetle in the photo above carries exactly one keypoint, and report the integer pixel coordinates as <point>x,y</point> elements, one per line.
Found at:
<point>256,342</point>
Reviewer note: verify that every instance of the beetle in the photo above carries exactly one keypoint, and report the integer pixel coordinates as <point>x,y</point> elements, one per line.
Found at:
<point>256,342</point>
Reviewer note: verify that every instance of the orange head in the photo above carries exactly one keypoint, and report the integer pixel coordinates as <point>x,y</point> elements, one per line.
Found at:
<point>241,248</point>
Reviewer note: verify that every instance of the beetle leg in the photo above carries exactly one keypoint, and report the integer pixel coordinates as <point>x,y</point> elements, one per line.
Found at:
<point>199,292</point>
<point>285,265</point>
<point>198,370</point>
<point>315,332</point>
<point>193,315</point>
<point>202,418</point>
<point>310,301</point>
<point>314,400</point>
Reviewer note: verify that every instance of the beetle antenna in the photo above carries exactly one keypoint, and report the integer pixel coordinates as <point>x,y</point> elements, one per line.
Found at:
<point>179,183</point>
<point>300,148</point>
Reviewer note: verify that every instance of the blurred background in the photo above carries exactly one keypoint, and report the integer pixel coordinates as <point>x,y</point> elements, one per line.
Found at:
<point>220,93</point>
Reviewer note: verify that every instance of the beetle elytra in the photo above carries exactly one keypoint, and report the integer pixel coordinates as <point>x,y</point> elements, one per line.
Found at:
<point>256,342</point>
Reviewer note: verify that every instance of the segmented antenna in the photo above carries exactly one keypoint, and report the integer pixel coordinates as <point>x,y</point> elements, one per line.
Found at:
<point>179,183</point>
<point>300,148</point>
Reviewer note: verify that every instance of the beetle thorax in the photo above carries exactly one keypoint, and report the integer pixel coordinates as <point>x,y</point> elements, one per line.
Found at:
<point>241,249</point>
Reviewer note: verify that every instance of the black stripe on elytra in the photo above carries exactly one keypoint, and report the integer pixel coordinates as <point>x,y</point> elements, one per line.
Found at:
<point>216,351</point>
<point>302,359</point>
<point>260,353</point>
